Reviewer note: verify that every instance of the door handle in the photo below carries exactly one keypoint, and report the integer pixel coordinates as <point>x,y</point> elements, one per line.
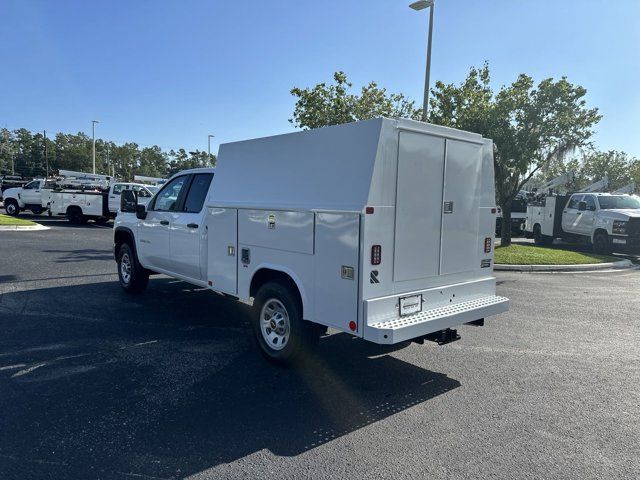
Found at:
<point>192,225</point>
<point>164,222</point>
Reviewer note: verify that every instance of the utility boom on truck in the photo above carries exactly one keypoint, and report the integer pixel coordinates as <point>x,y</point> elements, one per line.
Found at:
<point>382,229</point>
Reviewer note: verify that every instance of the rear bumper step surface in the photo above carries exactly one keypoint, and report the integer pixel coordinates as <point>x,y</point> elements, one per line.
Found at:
<point>435,319</point>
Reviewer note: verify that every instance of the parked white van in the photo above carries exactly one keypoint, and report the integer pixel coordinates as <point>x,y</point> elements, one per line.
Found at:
<point>382,229</point>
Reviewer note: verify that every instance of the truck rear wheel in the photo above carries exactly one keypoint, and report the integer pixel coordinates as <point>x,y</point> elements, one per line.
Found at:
<point>281,333</point>
<point>36,210</point>
<point>539,239</point>
<point>11,207</point>
<point>75,216</point>
<point>133,278</point>
<point>601,243</point>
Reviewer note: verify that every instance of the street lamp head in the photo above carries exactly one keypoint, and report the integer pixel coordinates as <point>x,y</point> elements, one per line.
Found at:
<point>421,4</point>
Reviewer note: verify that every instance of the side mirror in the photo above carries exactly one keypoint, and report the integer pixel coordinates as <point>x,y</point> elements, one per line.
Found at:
<point>128,201</point>
<point>141,212</point>
<point>582,206</point>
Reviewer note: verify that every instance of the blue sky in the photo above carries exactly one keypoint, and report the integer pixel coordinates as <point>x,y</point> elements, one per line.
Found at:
<point>171,72</point>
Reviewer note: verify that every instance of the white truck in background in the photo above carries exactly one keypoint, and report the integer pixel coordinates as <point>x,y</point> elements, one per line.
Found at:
<point>83,204</point>
<point>34,196</point>
<point>609,222</point>
<point>382,229</point>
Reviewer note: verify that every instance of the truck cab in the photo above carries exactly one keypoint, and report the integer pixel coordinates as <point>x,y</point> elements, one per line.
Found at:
<point>34,196</point>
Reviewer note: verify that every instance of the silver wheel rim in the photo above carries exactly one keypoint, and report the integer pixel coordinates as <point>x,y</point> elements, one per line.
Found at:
<point>274,324</point>
<point>125,268</point>
<point>11,209</point>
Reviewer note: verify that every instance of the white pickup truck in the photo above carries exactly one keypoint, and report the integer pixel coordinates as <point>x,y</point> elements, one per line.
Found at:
<point>382,229</point>
<point>79,206</point>
<point>34,196</point>
<point>609,222</point>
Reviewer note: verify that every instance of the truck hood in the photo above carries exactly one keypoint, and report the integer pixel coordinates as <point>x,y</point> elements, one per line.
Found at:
<point>621,214</point>
<point>12,192</point>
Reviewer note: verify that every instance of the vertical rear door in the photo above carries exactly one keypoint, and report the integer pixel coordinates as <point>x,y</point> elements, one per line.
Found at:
<point>418,206</point>
<point>461,207</point>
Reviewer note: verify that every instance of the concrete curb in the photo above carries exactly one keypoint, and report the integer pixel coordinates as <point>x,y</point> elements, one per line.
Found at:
<point>589,267</point>
<point>22,228</point>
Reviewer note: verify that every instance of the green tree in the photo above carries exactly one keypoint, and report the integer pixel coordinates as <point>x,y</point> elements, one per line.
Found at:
<point>530,125</point>
<point>334,104</point>
<point>616,165</point>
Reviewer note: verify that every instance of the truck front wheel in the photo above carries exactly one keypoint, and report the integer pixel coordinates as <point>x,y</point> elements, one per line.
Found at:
<point>11,207</point>
<point>281,333</point>
<point>133,278</point>
<point>601,243</point>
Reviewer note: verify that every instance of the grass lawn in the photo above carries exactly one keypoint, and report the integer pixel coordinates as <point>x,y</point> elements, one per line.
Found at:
<point>7,220</point>
<point>532,255</point>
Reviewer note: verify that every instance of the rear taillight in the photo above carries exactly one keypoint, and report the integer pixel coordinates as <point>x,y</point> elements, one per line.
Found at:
<point>376,255</point>
<point>487,245</point>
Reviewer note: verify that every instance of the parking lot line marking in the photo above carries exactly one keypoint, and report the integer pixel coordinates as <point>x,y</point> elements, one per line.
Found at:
<point>138,344</point>
<point>11,367</point>
<point>27,370</point>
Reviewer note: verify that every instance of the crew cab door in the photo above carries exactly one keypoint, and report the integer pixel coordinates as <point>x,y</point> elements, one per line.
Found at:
<point>154,246</point>
<point>188,229</point>
<point>571,214</point>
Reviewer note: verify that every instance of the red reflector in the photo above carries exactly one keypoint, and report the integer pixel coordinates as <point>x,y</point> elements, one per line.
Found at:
<point>353,326</point>
<point>493,210</point>
<point>487,245</point>
<point>376,255</point>
<point>368,210</point>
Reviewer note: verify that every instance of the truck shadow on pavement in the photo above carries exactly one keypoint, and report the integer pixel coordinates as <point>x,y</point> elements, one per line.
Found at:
<point>82,255</point>
<point>168,384</point>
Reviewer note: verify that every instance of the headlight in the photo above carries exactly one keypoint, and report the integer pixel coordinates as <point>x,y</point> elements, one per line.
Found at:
<point>619,226</point>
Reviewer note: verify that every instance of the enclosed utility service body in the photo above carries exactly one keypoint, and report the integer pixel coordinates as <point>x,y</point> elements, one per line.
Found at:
<point>382,229</point>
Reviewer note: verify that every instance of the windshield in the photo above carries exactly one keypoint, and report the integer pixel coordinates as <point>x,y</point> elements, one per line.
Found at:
<point>619,202</point>
<point>153,189</point>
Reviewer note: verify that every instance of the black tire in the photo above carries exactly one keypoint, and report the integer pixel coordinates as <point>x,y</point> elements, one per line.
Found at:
<point>75,216</point>
<point>300,335</point>
<point>601,243</point>
<point>37,210</point>
<point>11,207</point>
<point>133,278</point>
<point>539,239</point>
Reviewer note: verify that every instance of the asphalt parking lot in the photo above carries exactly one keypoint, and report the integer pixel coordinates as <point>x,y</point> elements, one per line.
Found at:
<point>98,384</point>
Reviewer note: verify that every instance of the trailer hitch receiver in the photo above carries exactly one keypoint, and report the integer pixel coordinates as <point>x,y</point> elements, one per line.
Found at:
<point>441,337</point>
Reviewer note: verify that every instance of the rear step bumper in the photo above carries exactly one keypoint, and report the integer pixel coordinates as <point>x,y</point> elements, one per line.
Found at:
<point>433,320</point>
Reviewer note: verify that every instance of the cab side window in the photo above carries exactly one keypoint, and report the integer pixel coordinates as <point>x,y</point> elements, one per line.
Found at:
<point>117,189</point>
<point>167,199</point>
<point>197,192</point>
<point>31,186</point>
<point>575,200</point>
<point>591,203</point>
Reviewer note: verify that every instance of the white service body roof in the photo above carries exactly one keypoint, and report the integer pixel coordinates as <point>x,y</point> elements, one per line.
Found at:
<point>337,168</point>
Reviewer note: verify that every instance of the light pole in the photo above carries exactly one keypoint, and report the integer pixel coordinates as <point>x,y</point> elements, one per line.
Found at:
<point>93,135</point>
<point>209,137</point>
<point>421,5</point>
<point>46,158</point>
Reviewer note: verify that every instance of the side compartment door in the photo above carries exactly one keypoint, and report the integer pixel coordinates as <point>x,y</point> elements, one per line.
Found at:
<point>337,237</point>
<point>188,231</point>
<point>222,241</point>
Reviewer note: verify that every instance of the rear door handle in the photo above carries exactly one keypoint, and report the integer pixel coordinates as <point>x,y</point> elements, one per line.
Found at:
<point>192,225</point>
<point>164,222</point>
